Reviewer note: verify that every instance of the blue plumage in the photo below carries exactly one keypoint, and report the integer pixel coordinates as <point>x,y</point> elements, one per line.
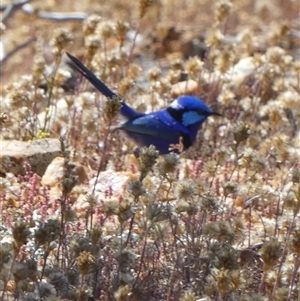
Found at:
<point>181,120</point>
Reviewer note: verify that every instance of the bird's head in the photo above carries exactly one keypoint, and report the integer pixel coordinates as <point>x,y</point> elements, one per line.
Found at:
<point>190,110</point>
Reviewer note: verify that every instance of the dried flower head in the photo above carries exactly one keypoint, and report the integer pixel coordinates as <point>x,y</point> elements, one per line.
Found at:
<point>208,205</point>
<point>95,235</point>
<point>215,39</point>
<point>270,253</point>
<point>73,276</point>
<point>274,55</point>
<point>70,215</point>
<point>45,290</point>
<point>182,206</point>
<point>126,258</point>
<point>121,31</point>
<point>136,188</point>
<point>168,164</point>
<point>225,60</point>
<point>18,98</point>
<point>60,283</point>
<point>147,158</point>
<point>47,232</point>
<point>241,132</point>
<point>127,277</point>
<point>112,108</point>
<point>3,118</point>
<point>221,231</point>
<point>86,263</point>
<point>296,175</point>
<point>105,29</point>
<point>143,7</point>
<point>292,203</point>
<point>68,183</point>
<point>227,96</point>
<point>177,64</point>
<point>238,225</point>
<point>229,187</point>
<point>134,71</point>
<point>223,154</point>
<point>32,267</point>
<point>92,43</point>
<point>21,233</point>
<point>223,256</point>
<point>174,76</point>
<point>188,296</point>
<point>90,24</point>
<point>290,99</point>
<point>154,74</point>
<point>6,253</point>
<point>126,211</point>
<point>287,222</point>
<point>123,292</point>
<point>193,67</point>
<point>295,243</point>
<point>271,279</point>
<point>80,245</point>
<point>156,213</point>
<point>92,199</point>
<point>20,271</point>
<point>282,293</point>
<point>125,85</point>
<point>222,10</point>
<point>258,164</point>
<point>223,281</point>
<point>61,39</point>
<point>210,167</point>
<point>110,207</point>
<point>185,190</point>
<point>39,68</point>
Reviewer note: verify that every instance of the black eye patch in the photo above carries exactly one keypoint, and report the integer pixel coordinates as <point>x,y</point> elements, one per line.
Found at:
<point>176,114</point>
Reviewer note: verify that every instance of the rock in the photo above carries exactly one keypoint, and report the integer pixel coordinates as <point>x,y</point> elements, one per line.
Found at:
<point>243,68</point>
<point>111,180</point>
<point>184,88</point>
<point>55,172</point>
<point>110,185</point>
<point>38,153</point>
<point>9,189</point>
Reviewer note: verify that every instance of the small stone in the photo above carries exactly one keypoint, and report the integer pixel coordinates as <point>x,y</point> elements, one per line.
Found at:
<point>108,180</point>
<point>241,70</point>
<point>184,88</point>
<point>55,172</point>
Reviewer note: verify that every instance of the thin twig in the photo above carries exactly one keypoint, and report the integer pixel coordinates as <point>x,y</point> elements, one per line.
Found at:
<point>11,8</point>
<point>19,47</point>
<point>56,16</point>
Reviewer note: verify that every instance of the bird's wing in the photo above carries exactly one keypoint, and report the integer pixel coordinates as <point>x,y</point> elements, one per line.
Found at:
<point>157,124</point>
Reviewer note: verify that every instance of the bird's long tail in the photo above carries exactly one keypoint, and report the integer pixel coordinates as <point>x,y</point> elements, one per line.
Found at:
<point>88,74</point>
<point>125,110</point>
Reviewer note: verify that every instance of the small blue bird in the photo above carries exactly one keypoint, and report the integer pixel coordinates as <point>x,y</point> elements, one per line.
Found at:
<point>178,123</point>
